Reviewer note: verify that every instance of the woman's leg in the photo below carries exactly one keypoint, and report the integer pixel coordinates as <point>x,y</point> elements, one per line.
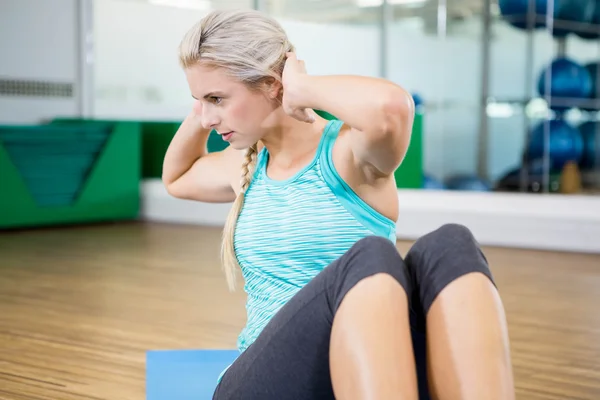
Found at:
<point>352,316</point>
<point>467,338</point>
<point>371,353</point>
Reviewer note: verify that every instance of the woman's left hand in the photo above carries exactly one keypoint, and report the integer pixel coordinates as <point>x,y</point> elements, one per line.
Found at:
<point>294,72</point>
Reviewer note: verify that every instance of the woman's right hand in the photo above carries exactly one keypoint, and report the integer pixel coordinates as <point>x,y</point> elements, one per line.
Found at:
<point>197,108</point>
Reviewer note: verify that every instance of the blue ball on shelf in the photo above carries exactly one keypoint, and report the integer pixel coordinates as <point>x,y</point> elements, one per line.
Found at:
<point>590,135</point>
<point>593,19</point>
<point>592,69</point>
<point>467,182</point>
<point>579,11</point>
<point>570,84</point>
<point>516,11</point>
<point>430,183</point>
<point>565,143</point>
<point>418,100</point>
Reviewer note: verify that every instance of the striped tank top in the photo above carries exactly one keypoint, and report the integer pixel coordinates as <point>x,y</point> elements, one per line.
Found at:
<point>290,230</point>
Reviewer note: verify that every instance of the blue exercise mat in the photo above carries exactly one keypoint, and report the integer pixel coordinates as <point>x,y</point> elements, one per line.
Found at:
<point>185,374</point>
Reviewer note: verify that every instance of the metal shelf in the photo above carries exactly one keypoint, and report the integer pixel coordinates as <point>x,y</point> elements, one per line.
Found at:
<point>530,25</point>
<point>540,22</point>
<point>566,102</point>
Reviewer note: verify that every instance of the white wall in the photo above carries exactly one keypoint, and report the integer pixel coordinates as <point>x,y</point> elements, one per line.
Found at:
<point>38,41</point>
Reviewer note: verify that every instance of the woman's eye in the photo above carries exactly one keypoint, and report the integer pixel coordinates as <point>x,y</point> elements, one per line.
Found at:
<point>216,100</point>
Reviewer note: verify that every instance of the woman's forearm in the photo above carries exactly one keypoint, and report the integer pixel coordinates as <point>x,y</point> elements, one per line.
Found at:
<point>188,144</point>
<point>365,103</point>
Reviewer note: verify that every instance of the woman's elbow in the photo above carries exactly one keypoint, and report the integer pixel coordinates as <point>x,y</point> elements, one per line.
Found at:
<point>398,114</point>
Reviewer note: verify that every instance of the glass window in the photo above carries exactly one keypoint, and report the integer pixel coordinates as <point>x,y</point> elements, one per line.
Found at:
<point>136,71</point>
<point>332,37</point>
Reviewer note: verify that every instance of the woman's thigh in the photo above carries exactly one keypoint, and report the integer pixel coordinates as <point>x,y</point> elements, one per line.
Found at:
<point>290,358</point>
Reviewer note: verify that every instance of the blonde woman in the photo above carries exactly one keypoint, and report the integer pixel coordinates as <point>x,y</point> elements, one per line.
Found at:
<point>333,310</point>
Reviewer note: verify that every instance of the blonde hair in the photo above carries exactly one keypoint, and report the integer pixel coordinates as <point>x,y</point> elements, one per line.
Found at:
<point>250,47</point>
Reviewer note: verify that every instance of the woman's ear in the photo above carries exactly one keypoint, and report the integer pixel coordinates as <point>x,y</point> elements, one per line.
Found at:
<point>273,88</point>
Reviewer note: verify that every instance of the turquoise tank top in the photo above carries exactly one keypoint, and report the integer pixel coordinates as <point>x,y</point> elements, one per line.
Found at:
<point>290,230</point>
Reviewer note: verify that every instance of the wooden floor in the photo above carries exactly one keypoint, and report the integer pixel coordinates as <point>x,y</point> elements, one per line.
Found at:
<point>80,306</point>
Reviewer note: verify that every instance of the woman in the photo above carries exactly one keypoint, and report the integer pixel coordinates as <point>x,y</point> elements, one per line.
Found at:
<point>333,309</point>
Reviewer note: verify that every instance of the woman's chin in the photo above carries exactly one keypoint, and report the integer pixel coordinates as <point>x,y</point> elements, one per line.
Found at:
<point>240,144</point>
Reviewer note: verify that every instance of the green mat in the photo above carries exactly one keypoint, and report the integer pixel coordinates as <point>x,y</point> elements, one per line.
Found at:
<point>53,162</point>
<point>155,139</point>
<point>69,173</point>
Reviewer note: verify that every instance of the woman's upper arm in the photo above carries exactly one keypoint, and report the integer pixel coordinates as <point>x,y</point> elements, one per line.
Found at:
<point>211,178</point>
<point>382,149</point>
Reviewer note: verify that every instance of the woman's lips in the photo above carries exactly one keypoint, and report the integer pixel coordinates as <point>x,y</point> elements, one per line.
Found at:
<point>226,136</point>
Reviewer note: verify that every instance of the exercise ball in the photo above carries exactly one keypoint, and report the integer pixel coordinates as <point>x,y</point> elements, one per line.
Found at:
<point>569,82</point>
<point>578,11</point>
<point>563,10</point>
<point>418,100</point>
<point>590,134</point>
<point>533,180</point>
<point>593,19</point>
<point>430,183</point>
<point>565,143</point>
<point>592,69</point>
<point>516,11</point>
<point>468,183</point>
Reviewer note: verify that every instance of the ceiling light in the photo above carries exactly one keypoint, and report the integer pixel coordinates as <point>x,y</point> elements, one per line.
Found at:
<point>187,4</point>
<point>377,3</point>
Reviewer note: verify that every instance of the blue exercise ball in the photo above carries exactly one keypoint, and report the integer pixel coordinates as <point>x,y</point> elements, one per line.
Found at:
<point>592,31</point>
<point>563,10</point>
<point>516,11</point>
<point>468,183</point>
<point>590,134</point>
<point>418,100</point>
<point>531,177</point>
<point>570,83</point>
<point>430,183</point>
<point>592,69</point>
<point>578,11</point>
<point>565,143</point>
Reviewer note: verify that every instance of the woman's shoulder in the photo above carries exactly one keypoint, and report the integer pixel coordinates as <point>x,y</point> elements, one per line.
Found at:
<point>377,191</point>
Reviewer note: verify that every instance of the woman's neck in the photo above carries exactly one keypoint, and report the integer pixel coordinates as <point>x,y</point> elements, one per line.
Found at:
<point>292,141</point>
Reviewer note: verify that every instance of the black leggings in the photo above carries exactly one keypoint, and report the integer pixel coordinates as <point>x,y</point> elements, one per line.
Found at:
<point>290,358</point>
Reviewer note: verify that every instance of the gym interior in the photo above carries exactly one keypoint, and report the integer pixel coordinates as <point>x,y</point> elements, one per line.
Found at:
<point>110,288</point>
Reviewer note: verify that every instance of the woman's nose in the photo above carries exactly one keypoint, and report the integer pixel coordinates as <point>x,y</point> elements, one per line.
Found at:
<point>209,120</point>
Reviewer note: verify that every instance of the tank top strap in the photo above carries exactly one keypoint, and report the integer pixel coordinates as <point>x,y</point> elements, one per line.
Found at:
<point>261,159</point>
<point>329,136</point>
<point>363,212</point>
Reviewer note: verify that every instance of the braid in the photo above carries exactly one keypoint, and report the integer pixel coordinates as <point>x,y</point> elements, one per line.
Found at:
<point>248,168</point>
<point>228,257</point>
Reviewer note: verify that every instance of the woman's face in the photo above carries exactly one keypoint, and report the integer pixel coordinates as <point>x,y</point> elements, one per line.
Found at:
<point>238,114</point>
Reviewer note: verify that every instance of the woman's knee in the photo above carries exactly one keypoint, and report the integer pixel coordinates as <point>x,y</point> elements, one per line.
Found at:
<point>374,254</point>
<point>442,256</point>
<point>450,241</point>
<point>449,233</point>
<point>367,257</point>
<point>374,245</point>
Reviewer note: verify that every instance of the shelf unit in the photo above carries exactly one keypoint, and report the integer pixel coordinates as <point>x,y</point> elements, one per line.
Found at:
<point>559,30</point>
